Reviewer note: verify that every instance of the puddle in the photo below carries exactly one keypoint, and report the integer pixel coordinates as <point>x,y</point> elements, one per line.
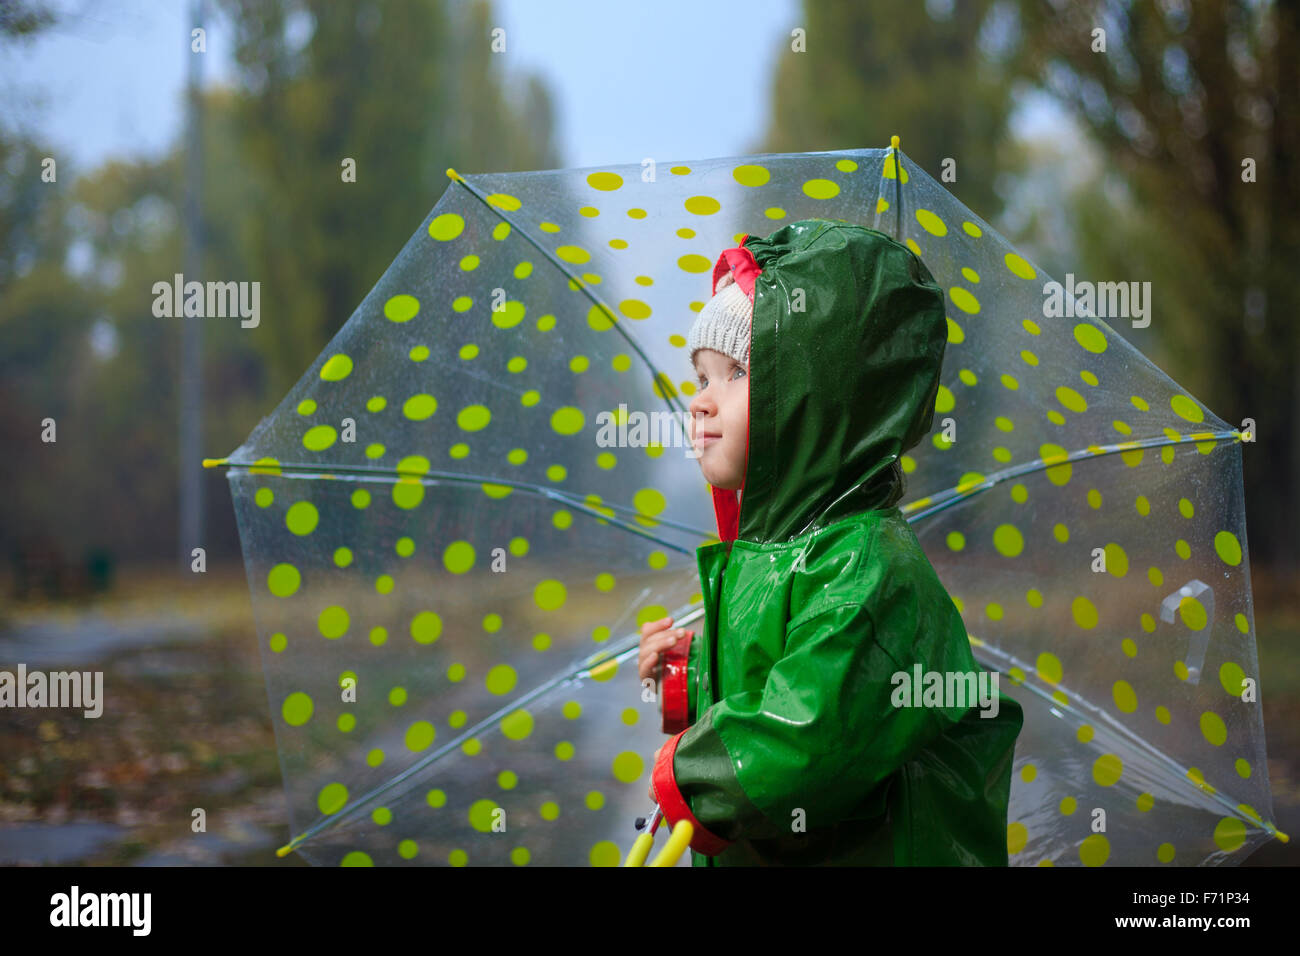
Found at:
<point>62,843</point>
<point>91,637</point>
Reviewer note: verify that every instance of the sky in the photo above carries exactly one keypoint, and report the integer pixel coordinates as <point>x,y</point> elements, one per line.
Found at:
<point>109,80</point>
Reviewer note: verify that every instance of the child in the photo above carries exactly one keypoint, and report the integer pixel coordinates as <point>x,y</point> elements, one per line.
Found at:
<point>792,744</point>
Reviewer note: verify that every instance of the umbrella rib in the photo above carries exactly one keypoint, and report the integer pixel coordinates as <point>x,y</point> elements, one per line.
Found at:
<point>669,393</point>
<point>1176,773</point>
<point>898,191</point>
<point>586,668</point>
<point>305,470</point>
<point>930,504</point>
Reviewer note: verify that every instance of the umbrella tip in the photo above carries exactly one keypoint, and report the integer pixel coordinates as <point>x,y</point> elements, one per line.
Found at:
<point>452,174</point>
<point>284,850</point>
<point>214,462</point>
<point>893,141</point>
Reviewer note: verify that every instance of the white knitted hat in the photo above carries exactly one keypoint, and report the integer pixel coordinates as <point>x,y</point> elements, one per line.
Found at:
<point>724,323</point>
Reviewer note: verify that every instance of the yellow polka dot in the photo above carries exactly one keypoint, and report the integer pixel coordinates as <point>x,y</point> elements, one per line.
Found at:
<point>1090,337</point>
<point>1213,728</point>
<point>1184,407</point>
<point>1193,613</point>
<point>964,300</point>
<point>1071,399</point>
<point>1233,678</point>
<point>509,315</point>
<point>1019,267</point>
<point>628,767</point>
<point>1084,612</point>
<point>605,853</point>
<point>702,205</point>
<point>821,189</point>
<point>605,182</point>
<point>1125,696</point>
<point>944,400</point>
<point>549,595</point>
<point>931,223</point>
<point>336,368</point>
<point>751,175</point>
<point>1017,837</point>
<point>889,170</point>
<point>1229,834</point>
<point>319,438</point>
<point>501,679</point>
<point>1008,540</point>
<point>473,418</point>
<point>1107,769</point>
<point>1049,668</point>
<point>446,227</point>
<point>568,420</point>
<point>573,254</point>
<point>1228,548</point>
<point>1094,850</point>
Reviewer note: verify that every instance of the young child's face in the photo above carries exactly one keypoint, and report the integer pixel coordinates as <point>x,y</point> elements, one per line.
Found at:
<point>719,427</point>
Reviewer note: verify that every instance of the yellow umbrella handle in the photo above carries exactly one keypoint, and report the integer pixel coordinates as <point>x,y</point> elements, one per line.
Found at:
<point>676,846</point>
<point>640,849</point>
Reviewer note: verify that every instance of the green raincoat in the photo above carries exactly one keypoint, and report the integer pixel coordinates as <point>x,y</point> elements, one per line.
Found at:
<point>796,749</point>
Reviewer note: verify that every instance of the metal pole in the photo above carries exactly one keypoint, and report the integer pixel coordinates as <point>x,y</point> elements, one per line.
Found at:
<point>191,383</point>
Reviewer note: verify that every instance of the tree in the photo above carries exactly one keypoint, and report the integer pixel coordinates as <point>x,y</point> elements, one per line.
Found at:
<point>872,69</point>
<point>1185,101</point>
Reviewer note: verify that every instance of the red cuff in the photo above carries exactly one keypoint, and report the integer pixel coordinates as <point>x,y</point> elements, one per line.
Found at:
<point>672,687</point>
<point>674,805</point>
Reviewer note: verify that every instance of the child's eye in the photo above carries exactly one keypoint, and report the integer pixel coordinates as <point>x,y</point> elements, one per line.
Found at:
<point>739,369</point>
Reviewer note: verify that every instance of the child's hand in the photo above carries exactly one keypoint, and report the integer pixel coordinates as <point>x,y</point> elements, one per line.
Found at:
<point>651,789</point>
<point>656,637</point>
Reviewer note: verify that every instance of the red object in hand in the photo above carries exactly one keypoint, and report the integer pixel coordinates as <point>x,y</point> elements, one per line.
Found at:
<point>672,685</point>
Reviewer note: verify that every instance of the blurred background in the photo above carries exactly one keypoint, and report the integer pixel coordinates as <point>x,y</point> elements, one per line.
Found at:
<point>128,155</point>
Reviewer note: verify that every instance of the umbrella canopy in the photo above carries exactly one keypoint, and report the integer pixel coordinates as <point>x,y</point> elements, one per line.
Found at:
<point>455,522</point>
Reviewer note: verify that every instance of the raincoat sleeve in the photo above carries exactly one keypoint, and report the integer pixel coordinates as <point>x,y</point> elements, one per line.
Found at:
<point>815,742</point>
<point>677,689</point>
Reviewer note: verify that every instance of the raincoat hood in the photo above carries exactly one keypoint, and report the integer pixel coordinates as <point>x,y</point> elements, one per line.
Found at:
<point>847,347</point>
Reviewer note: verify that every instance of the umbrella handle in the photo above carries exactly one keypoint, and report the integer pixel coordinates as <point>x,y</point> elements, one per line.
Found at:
<point>676,846</point>
<point>640,849</point>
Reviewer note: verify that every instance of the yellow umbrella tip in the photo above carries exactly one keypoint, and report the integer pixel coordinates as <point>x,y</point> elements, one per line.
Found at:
<point>284,850</point>
<point>893,141</point>
<point>452,174</point>
<point>214,462</point>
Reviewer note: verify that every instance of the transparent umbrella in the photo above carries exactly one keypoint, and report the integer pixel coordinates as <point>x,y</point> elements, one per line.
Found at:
<point>456,521</point>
